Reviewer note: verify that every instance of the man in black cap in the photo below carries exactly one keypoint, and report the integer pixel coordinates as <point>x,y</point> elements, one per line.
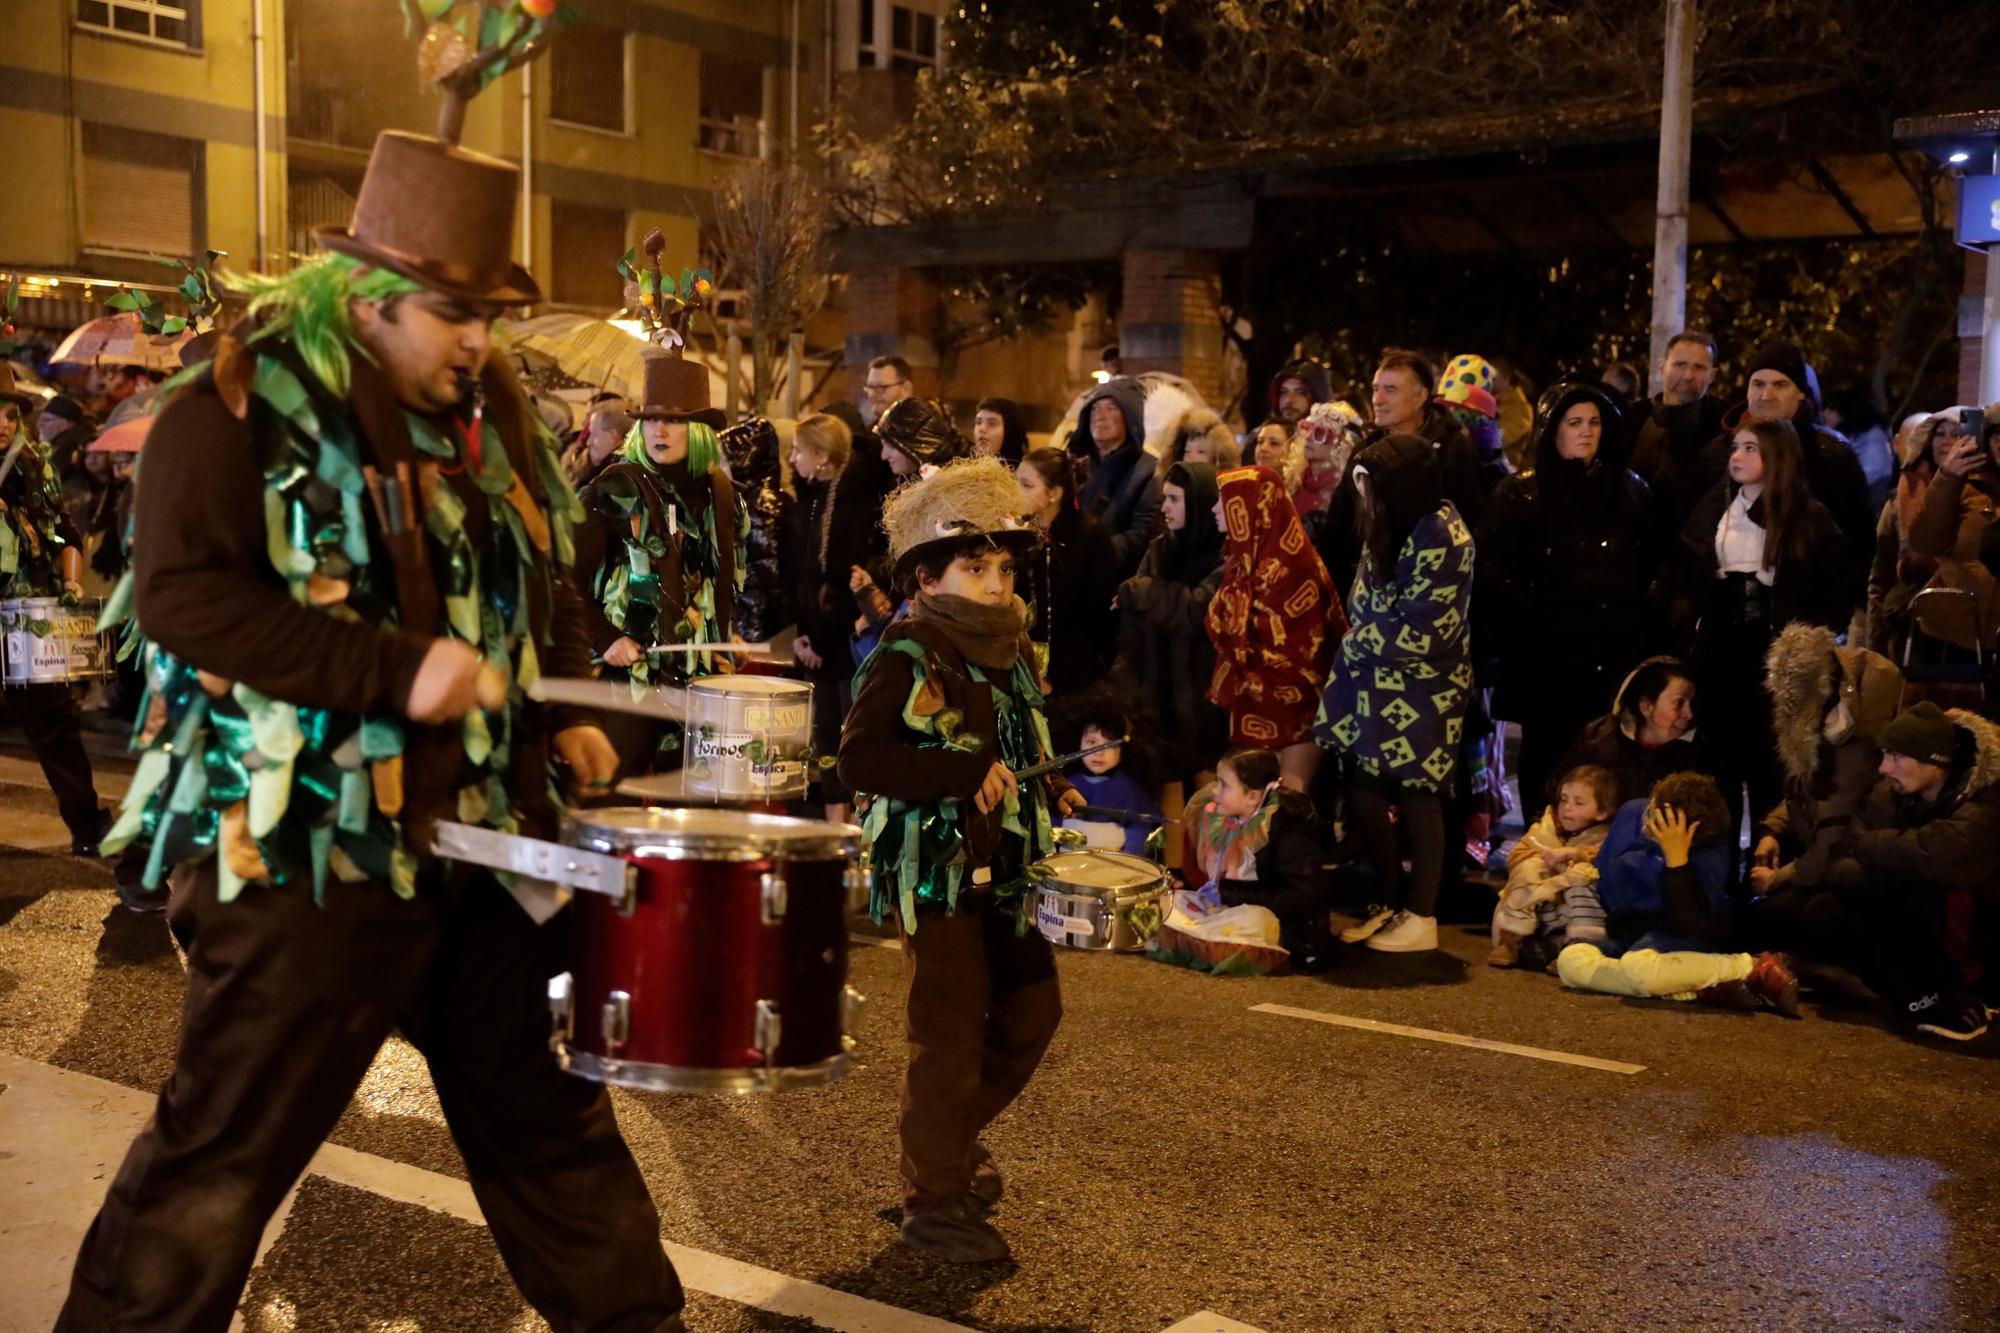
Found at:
<point>1922,856</point>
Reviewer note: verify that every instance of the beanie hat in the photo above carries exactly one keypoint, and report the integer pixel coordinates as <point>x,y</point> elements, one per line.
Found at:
<point>1788,359</point>
<point>1924,734</point>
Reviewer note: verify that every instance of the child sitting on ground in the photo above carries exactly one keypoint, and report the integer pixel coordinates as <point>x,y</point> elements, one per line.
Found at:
<point>1255,853</point>
<point>1107,783</point>
<point>1663,879</point>
<point>1552,872</point>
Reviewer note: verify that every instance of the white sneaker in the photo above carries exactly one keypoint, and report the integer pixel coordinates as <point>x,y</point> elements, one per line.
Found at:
<point>1406,933</point>
<point>1376,917</point>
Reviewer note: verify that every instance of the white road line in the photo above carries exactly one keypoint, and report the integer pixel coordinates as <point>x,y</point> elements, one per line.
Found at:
<point>62,1135</point>
<point>1450,1039</point>
<point>1208,1321</point>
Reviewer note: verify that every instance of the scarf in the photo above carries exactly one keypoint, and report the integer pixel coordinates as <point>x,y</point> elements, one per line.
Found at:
<point>1271,616</point>
<point>989,636</point>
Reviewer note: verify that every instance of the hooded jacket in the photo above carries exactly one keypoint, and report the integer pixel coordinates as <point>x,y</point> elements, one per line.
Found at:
<point>1164,651</point>
<point>763,605</point>
<point>1460,474</point>
<point>1119,492</point>
<point>1612,741</point>
<point>1828,707</point>
<point>1318,383</point>
<point>1947,844</point>
<point>1566,544</point>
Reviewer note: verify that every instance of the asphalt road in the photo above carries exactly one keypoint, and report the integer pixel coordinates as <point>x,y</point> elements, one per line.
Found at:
<point>1182,1151</point>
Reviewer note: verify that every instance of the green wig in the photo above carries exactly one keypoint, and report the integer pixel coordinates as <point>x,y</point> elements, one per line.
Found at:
<point>310,306</point>
<point>704,450</point>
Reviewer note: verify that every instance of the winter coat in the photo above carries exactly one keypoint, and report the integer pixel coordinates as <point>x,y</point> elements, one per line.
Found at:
<point>1310,372</point>
<point>1564,603</point>
<point>1827,731</point>
<point>1950,843</point>
<point>1116,790</point>
<point>1290,883</point>
<point>1670,455</point>
<point>1164,653</point>
<point>1465,482</point>
<point>764,605</point>
<point>1612,742</point>
<point>1396,703</point>
<point>1948,528</point>
<point>1812,587</point>
<point>1650,905</point>
<point>836,525</point>
<point>1119,492</point>
<point>1071,579</point>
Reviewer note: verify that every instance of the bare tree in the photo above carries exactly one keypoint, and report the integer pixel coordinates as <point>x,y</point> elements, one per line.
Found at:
<point>770,234</point>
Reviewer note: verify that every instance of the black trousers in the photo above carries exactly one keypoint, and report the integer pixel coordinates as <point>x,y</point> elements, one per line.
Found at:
<point>50,719</point>
<point>1895,937</point>
<point>286,1006</point>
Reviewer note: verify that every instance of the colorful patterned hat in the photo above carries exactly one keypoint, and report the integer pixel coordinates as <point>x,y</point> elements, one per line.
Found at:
<point>1468,382</point>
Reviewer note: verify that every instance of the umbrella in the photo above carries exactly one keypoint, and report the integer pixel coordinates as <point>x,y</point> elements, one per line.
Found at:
<point>120,340</point>
<point>127,437</point>
<point>591,350</point>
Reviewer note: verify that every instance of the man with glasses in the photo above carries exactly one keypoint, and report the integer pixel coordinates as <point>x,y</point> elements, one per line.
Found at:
<point>888,382</point>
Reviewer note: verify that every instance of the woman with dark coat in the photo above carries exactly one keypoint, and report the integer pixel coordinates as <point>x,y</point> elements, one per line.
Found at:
<point>836,529</point>
<point>1164,652</point>
<point>1000,431</point>
<point>750,451</point>
<point>1071,579</point>
<point>1757,553</point>
<point>1562,605</point>
<point>1649,732</point>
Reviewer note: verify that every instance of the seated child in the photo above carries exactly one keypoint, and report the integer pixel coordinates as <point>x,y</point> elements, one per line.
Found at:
<point>1255,856</point>
<point>1106,783</point>
<point>1552,872</point>
<point>1663,880</point>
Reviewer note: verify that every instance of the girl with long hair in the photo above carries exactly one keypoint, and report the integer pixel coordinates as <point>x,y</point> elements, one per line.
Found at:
<point>1073,577</point>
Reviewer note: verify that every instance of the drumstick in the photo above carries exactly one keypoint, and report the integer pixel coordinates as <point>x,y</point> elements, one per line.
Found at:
<point>1064,761</point>
<point>1117,816</point>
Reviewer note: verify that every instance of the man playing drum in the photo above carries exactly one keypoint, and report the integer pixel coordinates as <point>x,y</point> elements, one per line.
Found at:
<point>946,709</point>
<point>351,539</point>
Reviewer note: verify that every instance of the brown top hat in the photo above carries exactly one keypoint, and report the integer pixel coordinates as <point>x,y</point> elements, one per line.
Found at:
<point>438,215</point>
<point>27,402</point>
<point>677,390</point>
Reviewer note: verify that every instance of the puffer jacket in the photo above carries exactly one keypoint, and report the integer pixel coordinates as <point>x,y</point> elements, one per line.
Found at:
<point>1952,843</point>
<point>1828,707</point>
<point>1119,492</point>
<point>764,605</point>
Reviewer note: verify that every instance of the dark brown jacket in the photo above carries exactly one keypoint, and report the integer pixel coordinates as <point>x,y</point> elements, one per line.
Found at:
<point>879,753</point>
<point>206,591</point>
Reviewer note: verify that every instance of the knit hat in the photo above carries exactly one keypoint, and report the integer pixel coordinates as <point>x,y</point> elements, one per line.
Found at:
<point>1788,359</point>
<point>921,429</point>
<point>1924,734</point>
<point>1468,382</point>
<point>970,497</point>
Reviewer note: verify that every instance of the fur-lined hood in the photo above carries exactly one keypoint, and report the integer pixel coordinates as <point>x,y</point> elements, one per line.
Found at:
<point>1985,771</point>
<point>1800,677</point>
<point>1196,419</point>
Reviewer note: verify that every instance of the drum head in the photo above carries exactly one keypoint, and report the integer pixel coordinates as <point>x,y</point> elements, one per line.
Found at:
<point>693,833</point>
<point>748,685</point>
<point>1099,870</point>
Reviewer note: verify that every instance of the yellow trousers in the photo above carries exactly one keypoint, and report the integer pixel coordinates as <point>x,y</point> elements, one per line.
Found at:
<point>1648,972</point>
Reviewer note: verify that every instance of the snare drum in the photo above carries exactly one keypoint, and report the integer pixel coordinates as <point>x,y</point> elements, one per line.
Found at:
<point>725,968</point>
<point>1097,899</point>
<point>46,643</point>
<point>749,738</point>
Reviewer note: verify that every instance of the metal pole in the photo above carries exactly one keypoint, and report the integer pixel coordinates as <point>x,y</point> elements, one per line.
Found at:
<point>732,360</point>
<point>261,135</point>
<point>792,146</point>
<point>795,355</point>
<point>1989,331</point>
<point>1676,132</point>
<point>528,167</point>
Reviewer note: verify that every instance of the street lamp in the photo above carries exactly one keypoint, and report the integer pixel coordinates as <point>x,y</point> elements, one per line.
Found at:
<point>1969,142</point>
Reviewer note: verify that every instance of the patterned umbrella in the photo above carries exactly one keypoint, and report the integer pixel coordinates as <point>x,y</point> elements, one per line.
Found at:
<point>587,349</point>
<point>120,340</point>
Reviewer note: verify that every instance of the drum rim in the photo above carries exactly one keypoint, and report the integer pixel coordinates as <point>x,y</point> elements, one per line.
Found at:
<point>784,837</point>
<point>1154,869</point>
<point>650,1077</point>
<point>766,687</point>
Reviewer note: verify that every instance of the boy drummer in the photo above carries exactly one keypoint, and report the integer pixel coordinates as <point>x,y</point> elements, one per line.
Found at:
<point>945,711</point>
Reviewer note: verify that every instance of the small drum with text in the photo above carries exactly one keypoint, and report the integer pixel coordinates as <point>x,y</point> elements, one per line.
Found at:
<point>724,969</point>
<point>46,643</point>
<point>1097,899</point>
<point>749,738</point>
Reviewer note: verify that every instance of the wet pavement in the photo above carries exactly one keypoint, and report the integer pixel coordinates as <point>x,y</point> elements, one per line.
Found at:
<point>1191,1145</point>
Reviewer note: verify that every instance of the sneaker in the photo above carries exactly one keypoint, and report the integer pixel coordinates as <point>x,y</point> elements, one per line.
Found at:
<point>1406,932</point>
<point>1376,917</point>
<point>1506,953</point>
<point>1953,1017</point>
<point>955,1233</point>
<point>1772,982</point>
<point>84,842</point>
<point>987,1186</point>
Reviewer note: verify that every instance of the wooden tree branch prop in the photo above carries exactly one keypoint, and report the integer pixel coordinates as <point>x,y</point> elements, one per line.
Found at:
<point>467,44</point>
